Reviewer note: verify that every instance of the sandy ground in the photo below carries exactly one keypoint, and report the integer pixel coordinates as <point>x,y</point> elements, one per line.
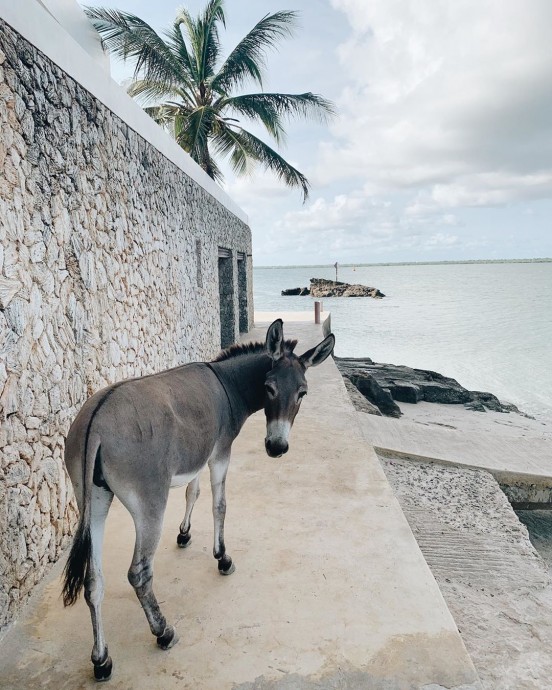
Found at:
<point>458,417</point>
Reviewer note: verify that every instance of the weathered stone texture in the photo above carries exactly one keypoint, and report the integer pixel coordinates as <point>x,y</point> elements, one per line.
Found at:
<point>98,282</point>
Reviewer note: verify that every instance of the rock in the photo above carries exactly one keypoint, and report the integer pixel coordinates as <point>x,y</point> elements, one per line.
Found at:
<point>18,473</point>
<point>406,392</point>
<point>490,401</point>
<point>373,392</point>
<point>320,287</point>
<point>360,403</point>
<point>8,398</point>
<point>405,384</point>
<point>8,290</point>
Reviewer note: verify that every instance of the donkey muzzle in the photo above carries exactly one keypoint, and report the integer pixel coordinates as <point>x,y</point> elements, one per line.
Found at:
<point>276,441</point>
<point>276,447</point>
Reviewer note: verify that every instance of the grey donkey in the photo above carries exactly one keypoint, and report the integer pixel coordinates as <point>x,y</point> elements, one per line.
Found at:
<point>137,438</point>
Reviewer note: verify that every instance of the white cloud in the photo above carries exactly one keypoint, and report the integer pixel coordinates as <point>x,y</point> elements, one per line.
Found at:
<point>451,96</point>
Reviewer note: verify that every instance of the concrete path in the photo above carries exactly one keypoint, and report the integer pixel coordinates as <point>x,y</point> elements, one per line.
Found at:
<point>330,591</point>
<point>525,456</point>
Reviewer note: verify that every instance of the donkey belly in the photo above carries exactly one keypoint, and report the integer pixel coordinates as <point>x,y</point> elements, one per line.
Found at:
<point>183,479</point>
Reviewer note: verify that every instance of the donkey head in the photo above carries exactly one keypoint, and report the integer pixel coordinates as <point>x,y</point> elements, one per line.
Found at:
<point>286,385</point>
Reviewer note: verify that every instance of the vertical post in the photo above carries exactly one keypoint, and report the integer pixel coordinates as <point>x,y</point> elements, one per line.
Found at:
<point>335,271</point>
<point>317,310</point>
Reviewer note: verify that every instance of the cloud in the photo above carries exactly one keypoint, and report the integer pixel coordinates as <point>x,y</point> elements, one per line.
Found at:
<point>357,228</point>
<point>450,96</point>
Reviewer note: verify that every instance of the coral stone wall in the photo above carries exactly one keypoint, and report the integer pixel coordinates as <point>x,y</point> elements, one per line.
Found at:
<point>108,270</point>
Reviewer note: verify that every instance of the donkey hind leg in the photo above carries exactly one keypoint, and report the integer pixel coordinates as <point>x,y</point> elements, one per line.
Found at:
<point>94,581</point>
<point>140,575</point>
<point>218,468</point>
<point>184,537</point>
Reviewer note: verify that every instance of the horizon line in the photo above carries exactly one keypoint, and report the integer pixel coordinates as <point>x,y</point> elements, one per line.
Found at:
<point>544,259</point>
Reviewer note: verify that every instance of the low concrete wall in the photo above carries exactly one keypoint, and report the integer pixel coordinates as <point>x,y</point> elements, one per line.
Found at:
<point>108,270</point>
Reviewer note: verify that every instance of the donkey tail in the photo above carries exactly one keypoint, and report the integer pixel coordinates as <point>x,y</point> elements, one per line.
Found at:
<point>76,568</point>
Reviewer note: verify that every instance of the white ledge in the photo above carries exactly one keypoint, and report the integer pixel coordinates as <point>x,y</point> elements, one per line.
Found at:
<point>30,19</point>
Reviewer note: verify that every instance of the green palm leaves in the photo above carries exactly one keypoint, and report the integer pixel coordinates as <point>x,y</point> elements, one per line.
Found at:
<point>188,88</point>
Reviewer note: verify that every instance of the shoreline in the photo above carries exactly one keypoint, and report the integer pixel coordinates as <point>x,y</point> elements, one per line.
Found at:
<point>385,387</point>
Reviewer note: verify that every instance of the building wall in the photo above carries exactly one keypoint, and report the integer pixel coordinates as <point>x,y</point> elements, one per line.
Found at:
<point>108,270</point>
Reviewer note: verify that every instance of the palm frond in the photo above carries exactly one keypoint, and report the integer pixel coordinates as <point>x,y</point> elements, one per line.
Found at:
<point>163,114</point>
<point>204,38</point>
<point>130,38</point>
<point>247,60</point>
<point>238,142</point>
<point>194,131</point>
<point>175,40</point>
<point>149,92</point>
<point>270,108</point>
<point>228,144</point>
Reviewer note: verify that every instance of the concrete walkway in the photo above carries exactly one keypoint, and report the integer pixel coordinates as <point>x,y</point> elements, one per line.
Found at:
<point>330,591</point>
<point>525,458</point>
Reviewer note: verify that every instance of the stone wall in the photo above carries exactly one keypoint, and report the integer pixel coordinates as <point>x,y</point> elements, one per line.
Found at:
<point>108,270</point>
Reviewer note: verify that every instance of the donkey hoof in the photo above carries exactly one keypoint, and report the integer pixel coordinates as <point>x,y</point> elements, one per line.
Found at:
<point>184,540</point>
<point>103,671</point>
<point>226,568</point>
<point>168,639</point>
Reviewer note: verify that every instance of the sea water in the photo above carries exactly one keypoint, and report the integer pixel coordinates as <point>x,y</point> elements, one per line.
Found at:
<point>487,325</point>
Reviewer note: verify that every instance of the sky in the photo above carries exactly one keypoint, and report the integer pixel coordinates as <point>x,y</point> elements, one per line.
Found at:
<point>441,148</point>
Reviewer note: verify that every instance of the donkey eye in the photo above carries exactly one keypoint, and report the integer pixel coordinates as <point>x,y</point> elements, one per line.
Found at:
<point>271,390</point>
<point>301,394</point>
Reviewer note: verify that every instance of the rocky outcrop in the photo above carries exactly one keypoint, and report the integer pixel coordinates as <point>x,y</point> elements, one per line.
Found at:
<point>385,385</point>
<point>320,287</point>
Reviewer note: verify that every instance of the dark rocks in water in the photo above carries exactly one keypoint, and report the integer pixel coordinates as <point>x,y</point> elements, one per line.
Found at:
<point>385,383</point>
<point>320,287</point>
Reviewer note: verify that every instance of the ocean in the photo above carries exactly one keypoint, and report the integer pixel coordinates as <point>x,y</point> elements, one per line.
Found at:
<point>488,325</point>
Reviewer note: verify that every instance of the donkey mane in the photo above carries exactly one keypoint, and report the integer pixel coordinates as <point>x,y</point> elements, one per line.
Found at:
<point>249,348</point>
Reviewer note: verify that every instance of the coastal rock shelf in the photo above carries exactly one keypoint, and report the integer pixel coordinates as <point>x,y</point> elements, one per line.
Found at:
<point>384,385</point>
<point>320,287</point>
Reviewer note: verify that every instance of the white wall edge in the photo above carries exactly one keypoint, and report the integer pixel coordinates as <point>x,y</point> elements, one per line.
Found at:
<point>30,19</point>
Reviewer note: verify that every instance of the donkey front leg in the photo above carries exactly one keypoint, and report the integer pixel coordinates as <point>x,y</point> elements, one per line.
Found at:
<point>140,575</point>
<point>218,468</point>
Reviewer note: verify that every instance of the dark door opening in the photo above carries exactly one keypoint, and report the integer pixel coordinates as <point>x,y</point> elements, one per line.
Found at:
<point>226,297</point>
<point>242,293</point>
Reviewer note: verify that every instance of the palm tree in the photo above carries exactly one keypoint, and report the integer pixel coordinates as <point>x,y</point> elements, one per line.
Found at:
<point>185,86</point>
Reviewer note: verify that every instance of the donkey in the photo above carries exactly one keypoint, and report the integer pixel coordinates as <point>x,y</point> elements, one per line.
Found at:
<point>138,437</point>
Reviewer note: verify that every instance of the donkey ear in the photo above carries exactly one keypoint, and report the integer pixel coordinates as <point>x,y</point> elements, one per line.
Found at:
<point>275,340</point>
<point>318,354</point>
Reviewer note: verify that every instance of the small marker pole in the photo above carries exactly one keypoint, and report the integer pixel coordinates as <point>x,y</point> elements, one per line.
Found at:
<point>317,310</point>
